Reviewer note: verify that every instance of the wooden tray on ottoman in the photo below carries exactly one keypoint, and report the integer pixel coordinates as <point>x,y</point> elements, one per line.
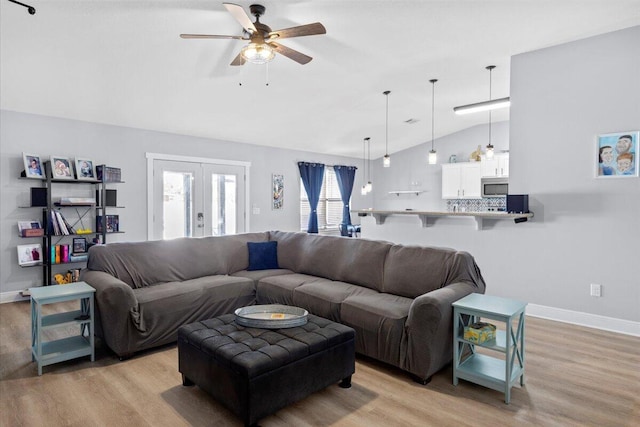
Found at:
<point>271,316</point>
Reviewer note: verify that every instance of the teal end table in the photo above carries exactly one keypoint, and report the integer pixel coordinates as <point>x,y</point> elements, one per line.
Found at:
<point>492,372</point>
<point>49,352</point>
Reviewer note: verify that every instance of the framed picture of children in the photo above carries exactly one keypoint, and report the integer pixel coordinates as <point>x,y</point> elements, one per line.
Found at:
<point>33,167</point>
<point>61,168</point>
<point>617,155</point>
<point>85,170</point>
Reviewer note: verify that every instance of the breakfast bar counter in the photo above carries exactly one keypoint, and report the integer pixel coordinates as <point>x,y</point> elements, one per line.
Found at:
<point>428,217</point>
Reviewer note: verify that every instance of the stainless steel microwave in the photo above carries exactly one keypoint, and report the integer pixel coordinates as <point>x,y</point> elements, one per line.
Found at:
<point>495,187</point>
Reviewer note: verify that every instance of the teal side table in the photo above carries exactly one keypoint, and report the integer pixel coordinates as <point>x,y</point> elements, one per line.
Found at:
<point>492,372</point>
<point>49,352</point>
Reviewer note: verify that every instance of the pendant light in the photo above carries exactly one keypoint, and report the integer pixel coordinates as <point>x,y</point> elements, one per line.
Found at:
<point>489,152</point>
<point>367,141</point>
<point>433,156</point>
<point>386,160</point>
<point>363,190</point>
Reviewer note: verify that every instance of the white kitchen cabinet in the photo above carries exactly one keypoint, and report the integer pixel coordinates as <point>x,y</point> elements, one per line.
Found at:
<point>498,166</point>
<point>461,180</point>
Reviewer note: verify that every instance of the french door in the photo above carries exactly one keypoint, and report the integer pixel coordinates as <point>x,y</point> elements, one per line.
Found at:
<point>196,199</point>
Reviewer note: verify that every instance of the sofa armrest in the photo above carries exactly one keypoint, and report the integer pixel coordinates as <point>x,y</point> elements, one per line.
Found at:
<point>429,329</point>
<point>115,301</point>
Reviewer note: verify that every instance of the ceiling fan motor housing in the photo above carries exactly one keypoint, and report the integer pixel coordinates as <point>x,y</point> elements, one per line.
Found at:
<point>257,10</point>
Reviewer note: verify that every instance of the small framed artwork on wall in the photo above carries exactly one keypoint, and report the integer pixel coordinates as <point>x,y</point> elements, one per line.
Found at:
<point>277,186</point>
<point>33,166</point>
<point>617,155</point>
<point>85,170</point>
<point>61,168</point>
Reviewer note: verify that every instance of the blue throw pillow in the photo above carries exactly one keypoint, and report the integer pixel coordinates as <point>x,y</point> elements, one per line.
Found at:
<point>263,255</point>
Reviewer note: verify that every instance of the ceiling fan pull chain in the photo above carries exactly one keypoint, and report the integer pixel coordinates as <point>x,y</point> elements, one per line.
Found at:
<point>266,82</point>
<point>242,73</point>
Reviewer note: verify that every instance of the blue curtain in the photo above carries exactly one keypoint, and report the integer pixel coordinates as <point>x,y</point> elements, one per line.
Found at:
<point>345,175</point>
<point>312,175</point>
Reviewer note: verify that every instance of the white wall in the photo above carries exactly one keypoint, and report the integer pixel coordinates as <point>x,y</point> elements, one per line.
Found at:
<point>126,148</point>
<point>585,230</point>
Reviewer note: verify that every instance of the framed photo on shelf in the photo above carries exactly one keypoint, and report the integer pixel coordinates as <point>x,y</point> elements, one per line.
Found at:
<point>277,201</point>
<point>79,245</point>
<point>29,255</point>
<point>33,167</point>
<point>85,169</point>
<point>61,168</point>
<point>617,155</point>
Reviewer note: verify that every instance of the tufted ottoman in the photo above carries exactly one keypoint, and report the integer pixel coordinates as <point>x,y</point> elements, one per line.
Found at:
<point>255,372</point>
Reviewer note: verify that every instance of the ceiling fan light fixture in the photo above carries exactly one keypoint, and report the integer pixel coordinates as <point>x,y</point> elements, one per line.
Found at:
<point>258,53</point>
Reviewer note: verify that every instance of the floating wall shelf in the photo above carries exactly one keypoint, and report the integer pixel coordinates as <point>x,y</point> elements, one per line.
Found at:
<point>399,192</point>
<point>428,218</point>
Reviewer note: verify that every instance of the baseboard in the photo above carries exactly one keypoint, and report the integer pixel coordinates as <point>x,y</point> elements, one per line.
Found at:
<point>612,324</point>
<point>12,296</point>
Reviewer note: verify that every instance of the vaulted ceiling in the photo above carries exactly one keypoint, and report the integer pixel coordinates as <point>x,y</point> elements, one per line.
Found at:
<point>123,63</point>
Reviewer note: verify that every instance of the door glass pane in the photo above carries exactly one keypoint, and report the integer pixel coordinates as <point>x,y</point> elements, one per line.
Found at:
<point>224,189</point>
<point>177,204</point>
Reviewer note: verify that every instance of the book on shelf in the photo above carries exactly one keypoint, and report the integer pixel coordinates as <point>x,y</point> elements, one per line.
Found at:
<point>78,258</point>
<point>73,201</point>
<point>58,225</point>
<point>108,174</point>
<point>112,223</point>
<point>61,254</point>
<point>31,228</point>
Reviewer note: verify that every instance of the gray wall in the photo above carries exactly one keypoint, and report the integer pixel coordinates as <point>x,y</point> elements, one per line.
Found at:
<point>585,229</point>
<point>126,148</point>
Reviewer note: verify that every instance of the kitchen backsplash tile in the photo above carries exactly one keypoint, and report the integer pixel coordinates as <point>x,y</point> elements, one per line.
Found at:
<point>487,204</point>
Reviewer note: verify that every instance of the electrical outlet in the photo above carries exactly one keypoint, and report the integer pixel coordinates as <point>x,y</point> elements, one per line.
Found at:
<point>596,290</point>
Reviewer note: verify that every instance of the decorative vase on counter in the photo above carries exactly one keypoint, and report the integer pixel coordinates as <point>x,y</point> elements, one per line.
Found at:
<point>453,158</point>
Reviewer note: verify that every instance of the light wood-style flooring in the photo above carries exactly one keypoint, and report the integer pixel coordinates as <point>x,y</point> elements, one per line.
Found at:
<point>575,376</point>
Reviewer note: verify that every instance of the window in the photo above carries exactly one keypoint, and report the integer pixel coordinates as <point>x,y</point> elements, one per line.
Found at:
<point>329,205</point>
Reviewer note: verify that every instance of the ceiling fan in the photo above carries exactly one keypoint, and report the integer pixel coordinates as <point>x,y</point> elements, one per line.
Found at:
<point>262,45</point>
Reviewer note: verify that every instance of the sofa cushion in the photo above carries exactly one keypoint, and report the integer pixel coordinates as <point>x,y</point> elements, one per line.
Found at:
<point>379,324</point>
<point>256,275</point>
<point>411,271</point>
<point>323,297</point>
<point>356,261</point>
<point>141,264</point>
<point>263,255</point>
<point>164,307</point>
<point>279,289</point>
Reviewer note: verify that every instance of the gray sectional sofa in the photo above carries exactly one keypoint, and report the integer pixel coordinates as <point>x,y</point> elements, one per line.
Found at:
<point>397,298</point>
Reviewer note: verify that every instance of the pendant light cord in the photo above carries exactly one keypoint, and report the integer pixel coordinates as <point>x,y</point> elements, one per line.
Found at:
<point>433,103</point>
<point>386,139</point>
<point>490,68</point>
<point>369,156</point>
<point>364,162</point>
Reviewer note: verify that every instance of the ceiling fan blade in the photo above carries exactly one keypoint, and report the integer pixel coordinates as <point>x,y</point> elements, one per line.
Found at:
<point>299,57</point>
<point>241,16</point>
<point>299,31</point>
<point>238,60</point>
<point>209,36</point>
